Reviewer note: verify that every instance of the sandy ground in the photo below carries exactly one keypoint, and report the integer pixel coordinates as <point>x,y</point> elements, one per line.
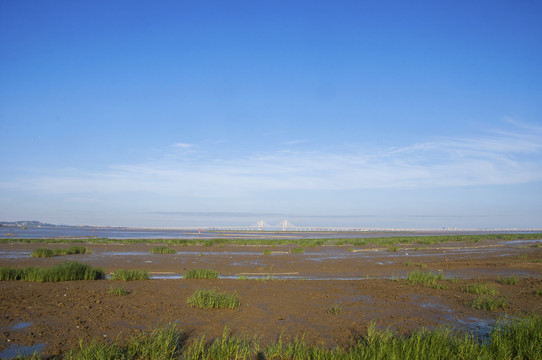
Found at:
<point>367,283</point>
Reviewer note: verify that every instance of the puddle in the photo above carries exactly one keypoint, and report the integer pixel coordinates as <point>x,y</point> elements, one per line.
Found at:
<point>367,299</point>
<point>439,307</point>
<point>123,253</point>
<point>21,325</point>
<point>515,242</point>
<point>14,254</point>
<point>166,277</point>
<point>15,350</point>
<point>481,328</point>
<point>245,263</point>
<point>272,277</point>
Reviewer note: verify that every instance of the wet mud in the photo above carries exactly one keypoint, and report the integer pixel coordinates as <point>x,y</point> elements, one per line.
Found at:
<point>284,293</point>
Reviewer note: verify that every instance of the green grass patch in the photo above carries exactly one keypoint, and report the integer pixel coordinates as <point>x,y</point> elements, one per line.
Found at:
<point>334,309</point>
<point>508,280</point>
<point>518,339</point>
<point>427,279</point>
<point>538,292</point>
<point>417,264</point>
<point>67,271</point>
<point>162,343</point>
<point>129,275</point>
<point>118,291</point>
<point>163,250</point>
<point>211,299</point>
<point>393,248</point>
<point>488,302</point>
<point>44,252</point>
<point>266,278</point>
<point>200,274</point>
<point>481,289</point>
<point>297,250</point>
<point>267,252</point>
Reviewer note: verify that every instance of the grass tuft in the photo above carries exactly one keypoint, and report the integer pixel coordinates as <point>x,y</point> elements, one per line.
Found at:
<point>510,280</point>
<point>67,271</point>
<point>118,291</point>
<point>488,302</point>
<point>297,250</point>
<point>420,265</point>
<point>44,252</point>
<point>200,274</point>
<point>129,275</point>
<point>211,299</point>
<point>162,343</point>
<point>163,250</point>
<point>267,252</point>
<point>427,279</point>
<point>334,309</point>
<point>481,289</point>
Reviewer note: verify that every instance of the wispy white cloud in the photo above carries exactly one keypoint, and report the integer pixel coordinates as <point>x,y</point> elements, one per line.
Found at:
<point>181,145</point>
<point>295,142</point>
<point>498,157</point>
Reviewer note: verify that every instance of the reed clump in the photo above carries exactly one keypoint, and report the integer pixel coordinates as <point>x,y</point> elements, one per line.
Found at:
<point>427,279</point>
<point>334,309</point>
<point>508,280</point>
<point>44,252</point>
<point>418,264</point>
<point>67,271</point>
<point>118,291</point>
<point>488,302</point>
<point>200,274</point>
<point>481,289</point>
<point>129,275</point>
<point>297,250</point>
<point>211,299</point>
<point>163,250</point>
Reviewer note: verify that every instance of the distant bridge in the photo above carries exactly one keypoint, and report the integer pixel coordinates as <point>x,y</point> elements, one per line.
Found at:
<point>284,225</point>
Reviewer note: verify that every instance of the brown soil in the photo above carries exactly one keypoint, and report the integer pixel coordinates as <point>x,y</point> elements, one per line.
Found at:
<point>366,283</point>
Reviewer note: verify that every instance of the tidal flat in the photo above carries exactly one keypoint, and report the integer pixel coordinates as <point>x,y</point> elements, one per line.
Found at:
<point>282,293</point>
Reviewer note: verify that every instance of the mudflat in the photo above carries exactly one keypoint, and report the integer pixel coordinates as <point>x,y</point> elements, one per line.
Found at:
<point>328,294</point>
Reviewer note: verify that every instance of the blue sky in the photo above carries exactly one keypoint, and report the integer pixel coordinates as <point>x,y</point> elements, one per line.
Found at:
<point>416,114</point>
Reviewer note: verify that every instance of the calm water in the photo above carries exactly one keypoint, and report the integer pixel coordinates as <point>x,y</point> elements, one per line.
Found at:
<point>131,233</point>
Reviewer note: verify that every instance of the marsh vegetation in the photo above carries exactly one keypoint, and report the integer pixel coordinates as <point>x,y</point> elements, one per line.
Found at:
<point>67,271</point>
<point>163,250</point>
<point>518,339</point>
<point>211,299</point>
<point>200,274</point>
<point>45,252</point>
<point>129,275</point>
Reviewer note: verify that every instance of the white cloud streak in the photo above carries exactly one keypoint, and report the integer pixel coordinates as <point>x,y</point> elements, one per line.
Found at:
<point>183,145</point>
<point>500,157</point>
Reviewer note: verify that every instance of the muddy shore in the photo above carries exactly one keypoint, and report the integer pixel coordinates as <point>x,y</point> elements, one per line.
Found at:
<point>286,293</point>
